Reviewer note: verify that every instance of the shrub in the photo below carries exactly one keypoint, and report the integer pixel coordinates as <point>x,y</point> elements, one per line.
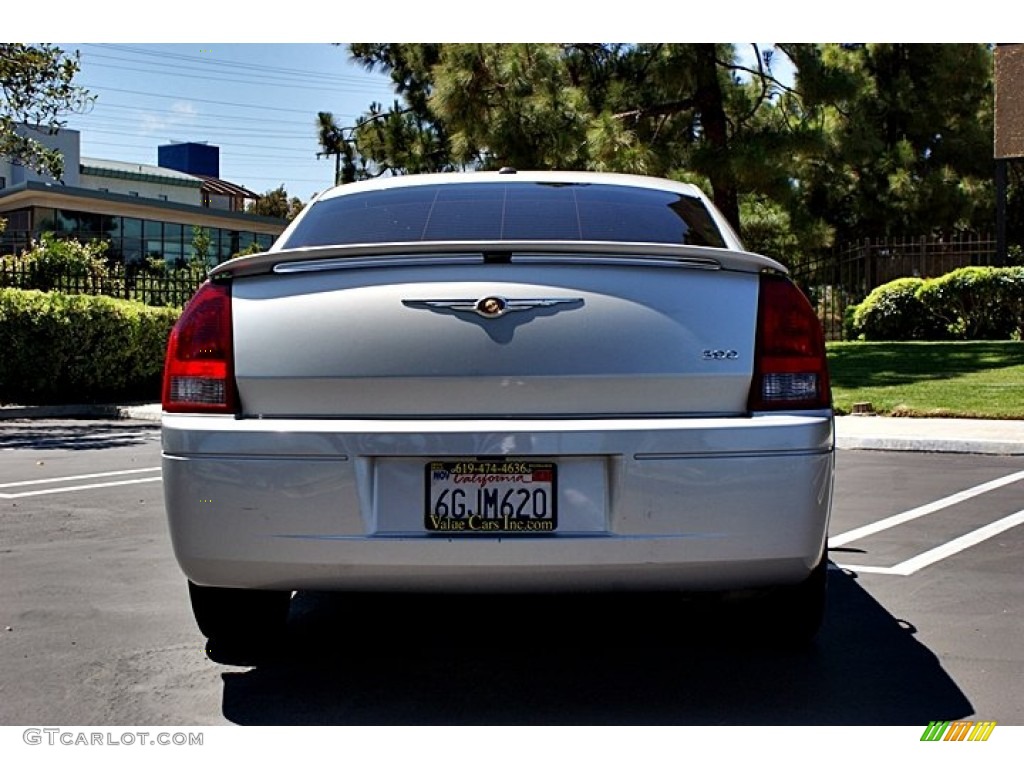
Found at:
<point>972,303</point>
<point>72,267</point>
<point>51,263</point>
<point>977,302</point>
<point>892,312</point>
<point>75,348</point>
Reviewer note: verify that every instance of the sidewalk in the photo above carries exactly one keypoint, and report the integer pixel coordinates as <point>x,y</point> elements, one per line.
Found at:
<point>881,433</point>
<point>876,433</point>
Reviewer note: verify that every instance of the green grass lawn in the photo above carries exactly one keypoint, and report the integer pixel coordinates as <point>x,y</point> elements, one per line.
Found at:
<point>982,379</point>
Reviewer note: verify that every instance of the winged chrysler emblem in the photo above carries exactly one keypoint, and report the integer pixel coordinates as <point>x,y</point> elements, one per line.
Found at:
<point>490,307</point>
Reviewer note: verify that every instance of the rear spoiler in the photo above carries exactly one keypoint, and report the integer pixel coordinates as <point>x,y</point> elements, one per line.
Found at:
<point>320,258</point>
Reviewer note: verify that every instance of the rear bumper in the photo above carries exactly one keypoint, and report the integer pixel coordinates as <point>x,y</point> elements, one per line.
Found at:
<point>692,504</point>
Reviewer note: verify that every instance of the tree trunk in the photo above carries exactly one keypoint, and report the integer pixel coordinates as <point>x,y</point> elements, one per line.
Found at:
<point>708,100</point>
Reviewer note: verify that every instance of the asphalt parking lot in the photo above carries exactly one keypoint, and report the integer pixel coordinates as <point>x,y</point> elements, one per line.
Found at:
<point>924,618</point>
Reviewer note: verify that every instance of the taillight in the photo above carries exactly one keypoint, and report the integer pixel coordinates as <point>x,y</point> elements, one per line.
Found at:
<point>790,367</point>
<point>199,371</point>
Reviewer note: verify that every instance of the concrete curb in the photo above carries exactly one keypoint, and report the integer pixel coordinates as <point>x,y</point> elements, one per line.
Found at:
<point>145,412</point>
<point>925,445</point>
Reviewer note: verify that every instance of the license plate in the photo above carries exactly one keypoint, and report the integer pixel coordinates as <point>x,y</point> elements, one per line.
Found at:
<point>496,497</point>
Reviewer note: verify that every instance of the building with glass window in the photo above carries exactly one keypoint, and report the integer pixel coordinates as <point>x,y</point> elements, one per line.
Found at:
<point>141,211</point>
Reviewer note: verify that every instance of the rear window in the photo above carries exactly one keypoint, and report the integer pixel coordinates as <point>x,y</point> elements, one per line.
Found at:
<point>508,211</point>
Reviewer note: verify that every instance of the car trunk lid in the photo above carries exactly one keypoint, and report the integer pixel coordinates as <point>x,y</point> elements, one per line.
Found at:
<point>470,336</point>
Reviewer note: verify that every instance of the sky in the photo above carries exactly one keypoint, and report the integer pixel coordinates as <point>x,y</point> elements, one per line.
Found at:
<point>256,102</point>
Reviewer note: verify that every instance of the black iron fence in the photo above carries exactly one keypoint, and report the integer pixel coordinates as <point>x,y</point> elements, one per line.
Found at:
<point>171,288</point>
<point>840,279</point>
<point>835,281</point>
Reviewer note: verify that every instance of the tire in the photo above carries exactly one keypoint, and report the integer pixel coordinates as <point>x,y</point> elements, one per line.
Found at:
<point>792,616</point>
<point>239,616</point>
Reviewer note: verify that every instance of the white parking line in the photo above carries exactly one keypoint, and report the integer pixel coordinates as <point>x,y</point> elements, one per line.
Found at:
<point>913,514</point>
<point>77,488</point>
<point>79,477</point>
<point>67,489</point>
<point>941,552</point>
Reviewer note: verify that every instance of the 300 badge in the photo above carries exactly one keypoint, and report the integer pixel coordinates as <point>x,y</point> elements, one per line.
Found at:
<point>719,354</point>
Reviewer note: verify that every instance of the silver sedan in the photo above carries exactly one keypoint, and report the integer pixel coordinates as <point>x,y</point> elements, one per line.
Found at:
<point>499,382</point>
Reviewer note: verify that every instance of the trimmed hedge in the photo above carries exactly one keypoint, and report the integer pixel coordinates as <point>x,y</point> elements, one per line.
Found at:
<point>891,312</point>
<point>972,303</point>
<point>977,303</point>
<point>57,348</point>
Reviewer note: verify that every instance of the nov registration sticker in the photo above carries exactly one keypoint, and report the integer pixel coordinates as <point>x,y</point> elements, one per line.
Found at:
<point>496,497</point>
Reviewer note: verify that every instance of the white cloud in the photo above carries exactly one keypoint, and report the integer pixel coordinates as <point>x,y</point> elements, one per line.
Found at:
<point>182,113</point>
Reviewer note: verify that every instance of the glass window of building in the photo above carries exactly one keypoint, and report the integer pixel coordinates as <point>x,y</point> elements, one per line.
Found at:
<point>153,235</point>
<point>131,227</point>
